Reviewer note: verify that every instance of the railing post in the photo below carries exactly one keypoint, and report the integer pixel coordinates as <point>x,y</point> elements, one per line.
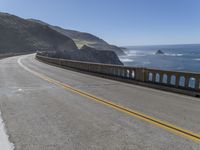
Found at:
<point>146,75</point>
<point>153,77</point>
<point>113,71</point>
<point>161,78</point>
<point>168,79</point>
<point>177,80</point>
<point>120,72</point>
<point>140,74</point>
<point>186,82</point>
<point>197,83</point>
<point>125,73</point>
<point>130,73</point>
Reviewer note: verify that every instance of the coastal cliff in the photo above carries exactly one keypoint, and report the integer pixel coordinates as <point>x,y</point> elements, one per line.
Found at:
<point>88,54</point>
<point>22,35</point>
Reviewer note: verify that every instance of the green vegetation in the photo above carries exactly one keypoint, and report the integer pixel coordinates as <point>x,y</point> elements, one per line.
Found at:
<point>80,43</point>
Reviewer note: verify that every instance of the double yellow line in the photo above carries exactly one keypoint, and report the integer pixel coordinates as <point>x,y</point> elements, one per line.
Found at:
<point>165,125</point>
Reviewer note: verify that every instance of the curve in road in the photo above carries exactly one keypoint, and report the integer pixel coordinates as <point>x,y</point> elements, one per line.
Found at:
<point>41,115</point>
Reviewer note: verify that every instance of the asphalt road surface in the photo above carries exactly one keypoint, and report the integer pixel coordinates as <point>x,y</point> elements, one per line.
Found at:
<point>49,108</point>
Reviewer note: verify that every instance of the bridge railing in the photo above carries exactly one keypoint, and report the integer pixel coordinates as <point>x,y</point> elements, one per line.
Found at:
<point>185,80</point>
<point>173,79</point>
<point>13,54</point>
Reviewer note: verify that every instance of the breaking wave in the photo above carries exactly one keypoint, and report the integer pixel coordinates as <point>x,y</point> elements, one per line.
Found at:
<point>126,60</point>
<point>177,55</point>
<point>197,59</point>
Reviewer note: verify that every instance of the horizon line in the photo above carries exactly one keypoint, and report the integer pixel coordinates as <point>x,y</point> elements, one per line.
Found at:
<point>160,44</point>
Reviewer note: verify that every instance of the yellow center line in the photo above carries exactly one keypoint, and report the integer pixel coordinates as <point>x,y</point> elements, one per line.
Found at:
<point>162,124</point>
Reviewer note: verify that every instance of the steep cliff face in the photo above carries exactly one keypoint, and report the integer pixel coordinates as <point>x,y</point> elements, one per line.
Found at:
<point>20,35</point>
<point>82,38</point>
<point>89,54</point>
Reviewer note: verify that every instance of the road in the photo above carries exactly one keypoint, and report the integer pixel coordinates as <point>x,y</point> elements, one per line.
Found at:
<point>42,110</point>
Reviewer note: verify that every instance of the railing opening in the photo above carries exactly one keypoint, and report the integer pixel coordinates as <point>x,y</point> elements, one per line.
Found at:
<point>192,82</point>
<point>127,73</point>
<point>165,78</point>
<point>150,76</point>
<point>173,80</point>
<point>133,74</point>
<point>157,77</point>
<point>182,81</point>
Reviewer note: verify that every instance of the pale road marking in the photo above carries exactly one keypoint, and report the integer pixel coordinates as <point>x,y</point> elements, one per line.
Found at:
<point>162,124</point>
<point>5,144</point>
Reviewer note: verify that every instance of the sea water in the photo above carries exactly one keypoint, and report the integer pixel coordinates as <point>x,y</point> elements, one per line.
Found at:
<point>176,57</point>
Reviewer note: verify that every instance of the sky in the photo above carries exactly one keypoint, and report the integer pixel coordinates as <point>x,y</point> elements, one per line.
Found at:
<point>120,22</point>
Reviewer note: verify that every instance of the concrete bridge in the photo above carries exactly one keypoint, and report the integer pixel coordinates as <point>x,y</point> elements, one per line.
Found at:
<point>179,82</point>
<point>70,106</point>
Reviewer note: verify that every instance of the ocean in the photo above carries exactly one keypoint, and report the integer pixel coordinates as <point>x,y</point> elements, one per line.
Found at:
<point>176,57</point>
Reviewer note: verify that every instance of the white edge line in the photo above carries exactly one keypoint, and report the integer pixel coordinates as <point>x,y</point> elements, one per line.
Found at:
<point>5,144</point>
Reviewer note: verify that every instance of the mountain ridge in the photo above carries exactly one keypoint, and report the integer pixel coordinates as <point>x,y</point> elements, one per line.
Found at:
<point>19,35</point>
<point>84,38</point>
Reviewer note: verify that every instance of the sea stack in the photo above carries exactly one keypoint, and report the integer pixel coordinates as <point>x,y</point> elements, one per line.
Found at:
<point>159,52</point>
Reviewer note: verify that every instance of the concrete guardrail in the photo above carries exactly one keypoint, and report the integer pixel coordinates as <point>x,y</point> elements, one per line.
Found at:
<point>180,82</point>
<point>13,54</point>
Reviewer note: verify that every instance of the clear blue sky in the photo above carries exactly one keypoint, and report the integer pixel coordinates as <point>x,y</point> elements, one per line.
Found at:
<point>121,22</point>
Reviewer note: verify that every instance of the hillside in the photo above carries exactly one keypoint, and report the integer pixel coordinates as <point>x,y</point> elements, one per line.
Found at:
<point>20,35</point>
<point>82,38</point>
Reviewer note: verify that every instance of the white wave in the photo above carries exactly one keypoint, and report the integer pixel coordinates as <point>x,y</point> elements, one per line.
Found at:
<point>136,53</point>
<point>147,53</point>
<point>169,54</point>
<point>131,53</point>
<point>126,60</point>
<point>178,55</point>
<point>146,62</point>
<point>197,59</point>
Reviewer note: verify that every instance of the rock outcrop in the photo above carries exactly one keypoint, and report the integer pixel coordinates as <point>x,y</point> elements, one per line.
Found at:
<point>88,54</point>
<point>159,52</point>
